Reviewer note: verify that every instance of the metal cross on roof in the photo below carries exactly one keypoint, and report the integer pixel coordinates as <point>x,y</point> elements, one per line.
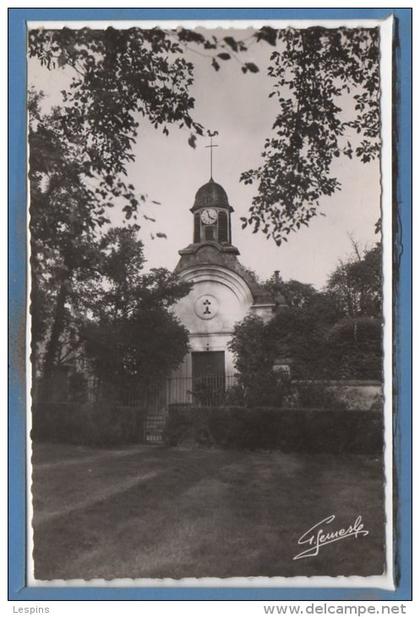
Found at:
<point>212,134</point>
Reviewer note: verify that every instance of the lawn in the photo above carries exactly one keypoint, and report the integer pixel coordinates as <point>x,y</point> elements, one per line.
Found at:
<point>156,512</point>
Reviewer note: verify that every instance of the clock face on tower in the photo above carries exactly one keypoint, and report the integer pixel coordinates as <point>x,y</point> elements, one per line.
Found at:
<point>208,216</point>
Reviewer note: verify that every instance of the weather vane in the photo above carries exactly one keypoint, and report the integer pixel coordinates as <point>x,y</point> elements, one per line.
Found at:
<point>212,134</point>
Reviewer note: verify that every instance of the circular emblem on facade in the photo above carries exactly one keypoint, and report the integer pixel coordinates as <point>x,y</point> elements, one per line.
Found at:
<point>206,306</point>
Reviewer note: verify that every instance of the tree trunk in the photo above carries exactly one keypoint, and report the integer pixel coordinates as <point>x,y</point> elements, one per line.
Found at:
<point>53,345</point>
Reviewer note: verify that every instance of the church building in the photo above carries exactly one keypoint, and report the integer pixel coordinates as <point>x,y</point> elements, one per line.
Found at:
<point>223,291</point>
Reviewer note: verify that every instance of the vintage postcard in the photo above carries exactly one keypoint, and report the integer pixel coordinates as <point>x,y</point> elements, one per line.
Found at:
<point>212,351</point>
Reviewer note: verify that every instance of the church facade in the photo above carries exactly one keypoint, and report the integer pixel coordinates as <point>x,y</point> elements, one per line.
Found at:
<point>223,291</point>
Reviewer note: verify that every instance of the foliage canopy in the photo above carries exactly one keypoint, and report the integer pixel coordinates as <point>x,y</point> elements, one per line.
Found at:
<point>332,334</point>
<point>316,73</point>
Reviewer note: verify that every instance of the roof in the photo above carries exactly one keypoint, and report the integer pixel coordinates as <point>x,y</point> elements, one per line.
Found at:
<point>211,253</point>
<point>210,195</point>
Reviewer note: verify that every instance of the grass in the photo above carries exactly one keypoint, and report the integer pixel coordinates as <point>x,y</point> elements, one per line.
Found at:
<point>155,512</point>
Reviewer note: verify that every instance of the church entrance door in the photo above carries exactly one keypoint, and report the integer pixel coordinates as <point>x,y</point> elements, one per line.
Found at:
<point>208,377</point>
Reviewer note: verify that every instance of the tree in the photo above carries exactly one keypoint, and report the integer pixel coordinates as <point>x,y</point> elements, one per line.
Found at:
<point>137,352</point>
<point>123,286</point>
<point>65,215</point>
<point>337,332</point>
<point>355,340</point>
<point>131,337</point>
<point>79,152</point>
<point>316,72</point>
<point>331,334</point>
<point>255,351</point>
<point>117,77</point>
<point>299,333</point>
<point>354,346</point>
<point>357,283</point>
<point>295,293</point>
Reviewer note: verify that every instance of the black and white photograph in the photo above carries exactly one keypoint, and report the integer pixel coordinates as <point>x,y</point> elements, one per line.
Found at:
<point>210,303</point>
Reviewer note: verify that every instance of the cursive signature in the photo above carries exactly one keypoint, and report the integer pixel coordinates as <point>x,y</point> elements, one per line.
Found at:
<point>316,537</point>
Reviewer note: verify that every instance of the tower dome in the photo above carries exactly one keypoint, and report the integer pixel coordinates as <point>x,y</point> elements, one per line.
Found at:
<point>211,195</point>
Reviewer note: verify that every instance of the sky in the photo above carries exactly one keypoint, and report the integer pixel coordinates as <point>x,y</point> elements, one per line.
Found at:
<point>170,172</point>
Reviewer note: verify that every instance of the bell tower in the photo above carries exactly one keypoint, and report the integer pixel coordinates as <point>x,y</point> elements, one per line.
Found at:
<point>222,292</point>
<point>211,209</point>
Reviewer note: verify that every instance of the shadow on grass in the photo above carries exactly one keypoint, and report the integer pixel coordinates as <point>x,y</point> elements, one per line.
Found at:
<point>208,513</point>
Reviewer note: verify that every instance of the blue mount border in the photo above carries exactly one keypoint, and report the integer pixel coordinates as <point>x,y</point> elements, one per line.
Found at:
<point>18,589</point>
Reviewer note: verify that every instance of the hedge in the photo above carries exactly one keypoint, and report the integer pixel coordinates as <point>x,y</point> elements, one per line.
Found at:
<point>291,430</point>
<point>96,424</point>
